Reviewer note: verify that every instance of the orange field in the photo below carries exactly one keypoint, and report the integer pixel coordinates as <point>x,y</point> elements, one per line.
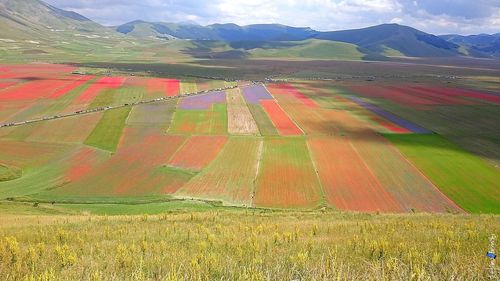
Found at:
<point>348,181</point>
<point>231,176</point>
<point>282,122</point>
<point>197,152</point>
<point>286,175</point>
<point>65,130</point>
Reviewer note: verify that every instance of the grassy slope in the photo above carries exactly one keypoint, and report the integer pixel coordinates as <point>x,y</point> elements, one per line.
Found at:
<point>464,178</point>
<point>244,245</point>
<point>9,173</point>
<point>108,131</point>
<point>311,49</point>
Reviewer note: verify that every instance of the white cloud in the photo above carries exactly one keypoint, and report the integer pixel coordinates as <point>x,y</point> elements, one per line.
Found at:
<point>443,16</point>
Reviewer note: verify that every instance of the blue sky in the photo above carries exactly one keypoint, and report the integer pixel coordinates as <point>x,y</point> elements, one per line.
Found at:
<point>435,16</point>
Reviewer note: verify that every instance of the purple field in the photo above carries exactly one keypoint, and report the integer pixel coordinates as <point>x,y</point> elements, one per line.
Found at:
<point>391,117</point>
<point>255,93</point>
<point>202,101</point>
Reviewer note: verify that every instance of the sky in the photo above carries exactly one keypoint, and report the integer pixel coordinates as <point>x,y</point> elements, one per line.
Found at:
<point>433,16</point>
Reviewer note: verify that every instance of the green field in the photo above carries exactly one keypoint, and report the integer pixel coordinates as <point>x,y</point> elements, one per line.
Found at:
<point>187,87</point>
<point>105,98</point>
<point>212,121</point>
<point>108,131</point>
<point>114,97</point>
<point>266,127</point>
<point>36,175</point>
<point>466,179</point>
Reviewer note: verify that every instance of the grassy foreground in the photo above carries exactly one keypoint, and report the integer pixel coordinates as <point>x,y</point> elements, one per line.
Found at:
<point>225,244</point>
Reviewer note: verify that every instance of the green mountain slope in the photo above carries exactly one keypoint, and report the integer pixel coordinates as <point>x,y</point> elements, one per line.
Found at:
<point>30,19</point>
<point>310,49</point>
<point>32,30</point>
<point>403,39</point>
<point>221,32</point>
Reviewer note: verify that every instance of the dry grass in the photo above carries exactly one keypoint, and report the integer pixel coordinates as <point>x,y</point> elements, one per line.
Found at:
<point>240,120</point>
<point>246,245</point>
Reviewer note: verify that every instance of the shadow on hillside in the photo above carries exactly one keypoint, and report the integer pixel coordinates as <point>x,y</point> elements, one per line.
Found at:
<point>205,50</point>
<point>250,45</point>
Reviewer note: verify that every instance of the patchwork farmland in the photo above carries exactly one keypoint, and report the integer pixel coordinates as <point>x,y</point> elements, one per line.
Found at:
<point>297,144</point>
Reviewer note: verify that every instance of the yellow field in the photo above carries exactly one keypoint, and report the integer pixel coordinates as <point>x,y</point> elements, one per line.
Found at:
<point>246,245</point>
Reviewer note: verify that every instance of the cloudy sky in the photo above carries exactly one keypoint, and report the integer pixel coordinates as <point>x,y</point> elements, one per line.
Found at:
<point>435,16</point>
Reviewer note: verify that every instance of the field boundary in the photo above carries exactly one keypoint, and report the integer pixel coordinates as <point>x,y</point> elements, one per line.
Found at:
<point>323,200</point>
<point>257,170</point>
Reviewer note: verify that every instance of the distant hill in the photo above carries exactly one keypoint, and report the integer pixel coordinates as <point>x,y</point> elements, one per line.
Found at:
<point>32,27</point>
<point>393,38</point>
<point>477,45</point>
<point>31,30</point>
<point>223,32</point>
<point>35,19</point>
<point>376,41</point>
<point>306,49</point>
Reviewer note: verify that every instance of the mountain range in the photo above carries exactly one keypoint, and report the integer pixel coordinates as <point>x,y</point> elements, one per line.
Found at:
<point>35,21</point>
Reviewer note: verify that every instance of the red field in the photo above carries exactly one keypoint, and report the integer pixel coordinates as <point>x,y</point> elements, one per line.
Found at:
<point>437,98</point>
<point>97,87</point>
<point>82,162</point>
<point>454,92</point>
<point>280,89</point>
<point>285,125</point>
<point>168,87</point>
<point>78,81</point>
<point>4,85</point>
<point>34,90</point>
<point>198,152</point>
<point>133,170</point>
<point>348,182</point>
<point>396,95</point>
<point>17,71</point>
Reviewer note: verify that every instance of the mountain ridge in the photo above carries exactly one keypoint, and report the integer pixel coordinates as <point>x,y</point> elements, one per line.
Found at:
<point>35,20</point>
